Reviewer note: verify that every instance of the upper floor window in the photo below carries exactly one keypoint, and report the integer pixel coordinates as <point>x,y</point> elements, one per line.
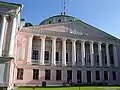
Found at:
<point>20,73</point>
<point>57,56</point>
<point>35,54</point>
<point>66,57</point>
<point>35,74</point>
<point>46,55</point>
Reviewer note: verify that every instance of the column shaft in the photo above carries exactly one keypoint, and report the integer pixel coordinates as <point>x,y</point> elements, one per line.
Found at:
<point>2,31</point>
<point>91,53</point>
<point>12,37</point>
<point>63,52</point>
<point>42,54</point>
<point>53,61</point>
<point>83,52</point>
<point>108,56</point>
<point>99,52</point>
<point>73,52</point>
<point>115,55</point>
<point>29,59</point>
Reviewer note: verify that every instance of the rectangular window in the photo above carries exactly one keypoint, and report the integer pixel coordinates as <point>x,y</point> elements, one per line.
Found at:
<point>20,73</point>
<point>66,57</point>
<point>58,74</point>
<point>88,76</point>
<point>111,59</point>
<point>97,59</point>
<point>105,75</point>
<point>57,56</point>
<point>46,55</point>
<point>97,73</point>
<point>114,75</point>
<point>35,54</point>
<point>47,74</point>
<point>79,76</point>
<point>69,75</point>
<point>35,74</point>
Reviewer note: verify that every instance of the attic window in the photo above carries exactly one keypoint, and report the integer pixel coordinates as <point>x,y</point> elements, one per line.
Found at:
<point>49,22</point>
<point>59,20</point>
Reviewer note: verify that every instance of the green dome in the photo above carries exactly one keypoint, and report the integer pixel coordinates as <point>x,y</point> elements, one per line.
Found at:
<point>58,19</point>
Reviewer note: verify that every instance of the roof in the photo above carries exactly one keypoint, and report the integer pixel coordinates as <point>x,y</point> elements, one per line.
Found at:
<point>11,4</point>
<point>58,19</point>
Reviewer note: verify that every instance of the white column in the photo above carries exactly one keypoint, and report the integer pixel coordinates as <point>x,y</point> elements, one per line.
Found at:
<point>115,55</point>
<point>29,57</point>
<point>42,53</point>
<point>99,53</point>
<point>83,52</point>
<point>2,31</point>
<point>73,52</point>
<point>12,37</point>
<point>53,61</point>
<point>91,53</point>
<point>63,51</point>
<point>108,56</point>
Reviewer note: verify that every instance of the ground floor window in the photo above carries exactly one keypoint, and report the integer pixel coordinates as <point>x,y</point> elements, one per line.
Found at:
<point>69,75</point>
<point>47,74</point>
<point>58,74</point>
<point>35,74</point>
<point>114,76</point>
<point>79,76</point>
<point>97,74</point>
<point>20,72</point>
<point>89,76</point>
<point>105,75</point>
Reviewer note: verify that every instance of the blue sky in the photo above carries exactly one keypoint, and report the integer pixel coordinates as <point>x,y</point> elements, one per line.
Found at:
<point>103,14</point>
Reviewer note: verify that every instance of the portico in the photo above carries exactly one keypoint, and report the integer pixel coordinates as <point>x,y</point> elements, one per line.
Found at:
<point>70,52</point>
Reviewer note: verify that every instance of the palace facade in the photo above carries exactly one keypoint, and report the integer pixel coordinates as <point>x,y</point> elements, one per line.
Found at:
<point>60,49</point>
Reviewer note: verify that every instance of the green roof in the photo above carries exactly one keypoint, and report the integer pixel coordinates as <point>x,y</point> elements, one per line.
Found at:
<point>11,4</point>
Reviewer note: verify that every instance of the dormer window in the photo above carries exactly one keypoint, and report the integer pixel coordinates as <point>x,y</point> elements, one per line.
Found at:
<point>59,20</point>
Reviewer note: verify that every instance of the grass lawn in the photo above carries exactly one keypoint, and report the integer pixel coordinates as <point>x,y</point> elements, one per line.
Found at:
<point>72,88</point>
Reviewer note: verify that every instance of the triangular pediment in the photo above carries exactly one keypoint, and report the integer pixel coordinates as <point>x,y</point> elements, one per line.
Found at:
<point>79,28</point>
